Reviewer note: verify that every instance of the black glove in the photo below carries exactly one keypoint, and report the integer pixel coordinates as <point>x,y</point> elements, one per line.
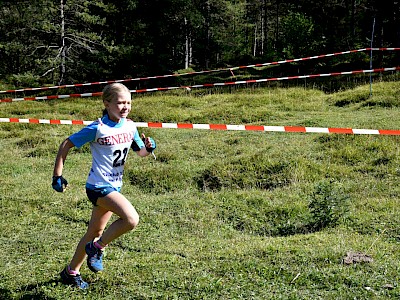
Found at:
<point>135,146</point>
<point>59,183</point>
<point>153,142</point>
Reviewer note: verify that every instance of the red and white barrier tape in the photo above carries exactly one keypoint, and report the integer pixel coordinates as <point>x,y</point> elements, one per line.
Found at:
<point>300,129</point>
<point>314,57</point>
<point>98,94</point>
<point>198,72</point>
<point>44,121</point>
<point>204,85</point>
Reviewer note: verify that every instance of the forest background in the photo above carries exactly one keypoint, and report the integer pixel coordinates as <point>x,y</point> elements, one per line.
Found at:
<point>68,41</point>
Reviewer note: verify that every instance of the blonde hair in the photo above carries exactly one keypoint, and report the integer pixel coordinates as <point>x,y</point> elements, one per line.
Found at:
<point>110,92</point>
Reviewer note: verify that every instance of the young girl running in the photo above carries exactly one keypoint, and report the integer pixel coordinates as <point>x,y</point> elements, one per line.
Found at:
<point>110,139</point>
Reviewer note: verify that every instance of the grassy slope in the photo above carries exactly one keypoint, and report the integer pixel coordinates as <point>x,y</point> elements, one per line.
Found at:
<point>224,215</point>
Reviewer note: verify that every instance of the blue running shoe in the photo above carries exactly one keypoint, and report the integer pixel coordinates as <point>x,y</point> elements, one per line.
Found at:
<point>95,257</point>
<point>73,280</point>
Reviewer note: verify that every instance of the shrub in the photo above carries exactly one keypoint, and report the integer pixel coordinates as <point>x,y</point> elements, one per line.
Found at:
<point>328,204</point>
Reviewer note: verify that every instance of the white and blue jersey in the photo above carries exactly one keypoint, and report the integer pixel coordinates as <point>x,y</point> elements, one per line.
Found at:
<point>109,143</point>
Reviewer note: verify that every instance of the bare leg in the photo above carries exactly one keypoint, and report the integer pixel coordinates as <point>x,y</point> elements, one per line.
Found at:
<point>97,224</point>
<point>128,217</point>
<point>101,214</point>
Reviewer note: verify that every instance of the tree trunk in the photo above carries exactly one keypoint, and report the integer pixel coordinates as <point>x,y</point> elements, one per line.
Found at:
<point>187,45</point>
<point>264,29</point>
<point>255,41</point>
<point>277,27</point>
<point>62,48</point>
<point>207,25</point>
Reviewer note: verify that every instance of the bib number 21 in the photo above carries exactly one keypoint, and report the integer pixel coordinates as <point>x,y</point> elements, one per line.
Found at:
<point>120,157</point>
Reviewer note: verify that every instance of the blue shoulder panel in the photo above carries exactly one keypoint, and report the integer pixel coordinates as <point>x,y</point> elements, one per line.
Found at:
<point>85,135</point>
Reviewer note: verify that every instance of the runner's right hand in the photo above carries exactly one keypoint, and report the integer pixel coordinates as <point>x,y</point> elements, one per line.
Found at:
<point>59,183</point>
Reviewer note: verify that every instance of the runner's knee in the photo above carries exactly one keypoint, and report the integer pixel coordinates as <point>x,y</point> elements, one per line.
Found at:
<point>132,221</point>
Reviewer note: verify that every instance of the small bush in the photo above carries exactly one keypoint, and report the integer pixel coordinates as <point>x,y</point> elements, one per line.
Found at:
<point>328,204</point>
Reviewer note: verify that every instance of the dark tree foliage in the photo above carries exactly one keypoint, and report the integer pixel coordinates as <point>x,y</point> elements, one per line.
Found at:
<point>48,42</point>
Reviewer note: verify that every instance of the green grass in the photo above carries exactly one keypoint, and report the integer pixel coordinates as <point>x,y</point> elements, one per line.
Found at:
<point>224,214</point>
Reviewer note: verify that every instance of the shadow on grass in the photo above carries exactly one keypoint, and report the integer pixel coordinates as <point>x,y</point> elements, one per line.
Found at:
<point>31,291</point>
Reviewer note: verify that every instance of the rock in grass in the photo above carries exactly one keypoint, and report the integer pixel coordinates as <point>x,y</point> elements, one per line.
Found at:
<point>356,257</point>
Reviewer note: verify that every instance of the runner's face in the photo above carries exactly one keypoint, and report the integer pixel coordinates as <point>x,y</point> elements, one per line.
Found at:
<point>119,107</point>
